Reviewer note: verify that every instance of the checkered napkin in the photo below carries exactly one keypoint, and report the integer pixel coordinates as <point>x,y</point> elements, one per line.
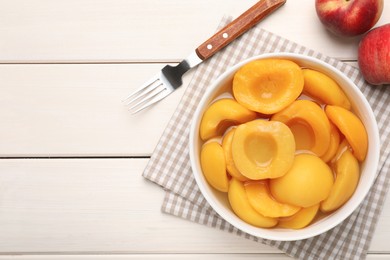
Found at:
<point>169,165</point>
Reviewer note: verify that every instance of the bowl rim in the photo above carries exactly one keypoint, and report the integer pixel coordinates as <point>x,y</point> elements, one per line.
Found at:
<point>313,229</point>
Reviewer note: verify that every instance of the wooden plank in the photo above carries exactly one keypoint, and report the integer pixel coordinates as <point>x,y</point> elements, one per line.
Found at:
<point>151,256</point>
<point>148,30</point>
<point>94,206</point>
<point>167,256</point>
<point>73,110</point>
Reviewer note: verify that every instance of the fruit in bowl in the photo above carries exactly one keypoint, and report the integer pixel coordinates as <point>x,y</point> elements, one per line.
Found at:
<point>287,158</point>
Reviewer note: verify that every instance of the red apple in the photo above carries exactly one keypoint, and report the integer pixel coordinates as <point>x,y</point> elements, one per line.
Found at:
<point>349,17</point>
<point>374,55</point>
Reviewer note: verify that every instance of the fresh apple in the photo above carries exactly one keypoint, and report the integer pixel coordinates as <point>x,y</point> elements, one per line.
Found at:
<point>374,55</point>
<point>349,17</point>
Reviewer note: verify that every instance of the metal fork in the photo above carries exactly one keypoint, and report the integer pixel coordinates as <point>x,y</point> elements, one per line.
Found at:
<point>170,77</point>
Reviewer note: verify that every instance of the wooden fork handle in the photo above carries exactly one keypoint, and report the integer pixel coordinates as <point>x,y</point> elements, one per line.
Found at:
<point>237,27</point>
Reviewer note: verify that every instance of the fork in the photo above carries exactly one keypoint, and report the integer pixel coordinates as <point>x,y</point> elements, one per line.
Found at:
<point>170,77</point>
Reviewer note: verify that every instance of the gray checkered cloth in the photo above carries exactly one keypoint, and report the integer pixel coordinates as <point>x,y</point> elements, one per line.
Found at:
<point>170,167</point>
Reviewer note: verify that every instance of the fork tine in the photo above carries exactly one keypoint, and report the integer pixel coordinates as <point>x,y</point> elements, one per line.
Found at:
<point>141,94</point>
<point>144,94</point>
<point>162,94</point>
<point>146,97</point>
<point>141,89</point>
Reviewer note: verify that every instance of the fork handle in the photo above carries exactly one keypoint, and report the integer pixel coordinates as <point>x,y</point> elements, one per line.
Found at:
<point>237,27</point>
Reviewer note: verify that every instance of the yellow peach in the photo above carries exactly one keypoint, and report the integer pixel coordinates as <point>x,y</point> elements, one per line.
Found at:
<point>212,161</point>
<point>262,201</point>
<point>347,178</point>
<point>222,114</point>
<point>242,208</point>
<point>307,183</point>
<point>308,123</point>
<point>301,219</point>
<point>227,148</point>
<point>351,127</point>
<point>323,88</point>
<point>343,146</point>
<point>263,149</point>
<point>333,145</point>
<point>269,85</point>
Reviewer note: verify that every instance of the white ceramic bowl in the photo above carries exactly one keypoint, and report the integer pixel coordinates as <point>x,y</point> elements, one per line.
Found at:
<point>361,107</point>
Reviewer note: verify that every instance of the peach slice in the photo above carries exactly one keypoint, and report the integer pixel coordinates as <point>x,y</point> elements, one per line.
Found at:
<point>242,208</point>
<point>343,146</point>
<point>347,178</point>
<point>301,219</point>
<point>308,123</point>
<point>262,201</point>
<point>222,114</point>
<point>212,161</point>
<point>308,182</point>
<point>333,145</point>
<point>227,147</point>
<point>269,85</point>
<point>323,88</point>
<point>351,127</point>
<point>263,149</point>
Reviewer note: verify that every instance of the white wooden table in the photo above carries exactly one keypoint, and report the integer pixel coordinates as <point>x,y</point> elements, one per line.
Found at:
<point>71,154</point>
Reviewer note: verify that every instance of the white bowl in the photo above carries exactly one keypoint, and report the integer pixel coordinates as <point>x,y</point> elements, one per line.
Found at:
<point>361,107</point>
